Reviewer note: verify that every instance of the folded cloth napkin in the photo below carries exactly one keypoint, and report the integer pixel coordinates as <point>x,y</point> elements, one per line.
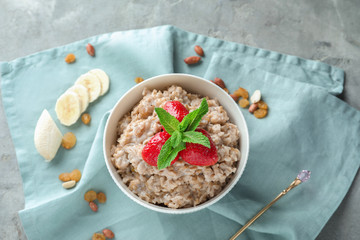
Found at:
<point>307,128</point>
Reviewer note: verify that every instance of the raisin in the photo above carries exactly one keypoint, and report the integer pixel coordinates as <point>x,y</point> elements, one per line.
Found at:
<point>75,175</point>
<point>101,197</point>
<point>98,236</point>
<point>262,105</point>
<point>244,102</point>
<point>64,177</point>
<point>260,113</point>
<point>90,196</point>
<point>242,92</point>
<point>70,58</point>
<point>139,79</point>
<point>86,118</point>
<point>69,140</point>
<point>235,97</point>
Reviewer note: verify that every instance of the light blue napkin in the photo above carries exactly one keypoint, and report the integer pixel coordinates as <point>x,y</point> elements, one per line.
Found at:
<point>307,128</point>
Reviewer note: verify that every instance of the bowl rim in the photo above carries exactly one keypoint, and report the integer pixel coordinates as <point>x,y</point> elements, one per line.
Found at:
<point>162,209</point>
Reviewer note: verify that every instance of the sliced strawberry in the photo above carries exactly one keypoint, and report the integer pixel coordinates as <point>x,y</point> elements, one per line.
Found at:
<point>176,109</point>
<point>197,154</point>
<point>152,149</point>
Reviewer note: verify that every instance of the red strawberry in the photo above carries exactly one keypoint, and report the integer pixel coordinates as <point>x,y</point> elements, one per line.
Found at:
<point>176,109</point>
<point>197,154</point>
<point>152,149</point>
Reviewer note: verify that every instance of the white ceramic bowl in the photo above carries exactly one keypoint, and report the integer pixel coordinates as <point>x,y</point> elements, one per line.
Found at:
<point>192,84</point>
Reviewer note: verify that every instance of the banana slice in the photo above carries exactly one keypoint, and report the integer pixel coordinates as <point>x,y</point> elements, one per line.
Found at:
<point>104,80</point>
<point>68,108</point>
<point>83,95</point>
<point>47,136</point>
<point>92,83</point>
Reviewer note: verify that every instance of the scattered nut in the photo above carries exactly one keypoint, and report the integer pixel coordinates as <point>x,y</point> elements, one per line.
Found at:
<point>260,113</point>
<point>90,196</point>
<point>108,233</point>
<point>258,107</point>
<point>69,184</point>
<point>192,60</point>
<point>98,236</point>
<point>139,79</point>
<point>93,206</point>
<point>256,97</point>
<point>253,107</point>
<point>242,92</point>
<point>101,197</point>
<point>86,118</point>
<point>235,97</point>
<point>90,49</point>
<point>244,102</point>
<point>219,82</point>
<point>199,50</point>
<point>68,140</point>
<point>70,58</point>
<point>226,90</point>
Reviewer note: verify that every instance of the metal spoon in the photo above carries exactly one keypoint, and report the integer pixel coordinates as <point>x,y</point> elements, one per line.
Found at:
<point>303,176</point>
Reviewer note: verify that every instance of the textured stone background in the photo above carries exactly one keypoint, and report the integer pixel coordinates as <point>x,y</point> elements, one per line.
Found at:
<point>324,30</point>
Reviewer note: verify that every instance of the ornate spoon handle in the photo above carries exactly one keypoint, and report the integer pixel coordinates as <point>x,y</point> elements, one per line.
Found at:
<point>303,176</point>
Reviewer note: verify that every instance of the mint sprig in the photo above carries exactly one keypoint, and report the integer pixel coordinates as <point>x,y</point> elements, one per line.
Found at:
<point>196,137</point>
<point>192,120</point>
<point>168,154</point>
<point>176,138</point>
<point>181,133</point>
<point>169,122</point>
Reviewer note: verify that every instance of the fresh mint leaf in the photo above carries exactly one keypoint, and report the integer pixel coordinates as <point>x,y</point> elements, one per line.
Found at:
<point>168,154</point>
<point>187,120</point>
<point>192,120</point>
<point>196,137</point>
<point>169,122</point>
<point>176,138</point>
<point>180,133</point>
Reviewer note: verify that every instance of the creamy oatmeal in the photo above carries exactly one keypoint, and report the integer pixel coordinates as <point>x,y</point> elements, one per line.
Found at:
<point>181,185</point>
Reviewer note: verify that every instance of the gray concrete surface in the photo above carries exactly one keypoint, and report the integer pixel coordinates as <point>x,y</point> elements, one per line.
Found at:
<point>325,30</point>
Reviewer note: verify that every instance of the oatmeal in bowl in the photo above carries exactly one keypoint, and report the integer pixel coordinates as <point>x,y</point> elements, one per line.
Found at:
<point>176,168</point>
